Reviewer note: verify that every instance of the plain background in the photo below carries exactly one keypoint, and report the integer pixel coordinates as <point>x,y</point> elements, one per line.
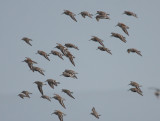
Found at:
<point>102,80</point>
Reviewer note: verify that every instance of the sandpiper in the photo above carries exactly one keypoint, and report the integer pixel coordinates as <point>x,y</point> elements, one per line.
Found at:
<point>133,50</point>
<point>27,40</point>
<point>39,85</point>
<point>68,92</point>
<point>69,13</point>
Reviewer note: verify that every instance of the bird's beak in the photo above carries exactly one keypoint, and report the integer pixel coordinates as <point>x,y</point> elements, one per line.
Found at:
<point>62,13</point>
<point>23,61</point>
<point>79,13</point>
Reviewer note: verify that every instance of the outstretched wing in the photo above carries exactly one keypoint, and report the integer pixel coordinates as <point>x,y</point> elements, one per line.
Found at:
<point>40,89</point>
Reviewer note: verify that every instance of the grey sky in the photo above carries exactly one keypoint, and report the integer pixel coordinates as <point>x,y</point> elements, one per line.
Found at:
<point>102,80</point>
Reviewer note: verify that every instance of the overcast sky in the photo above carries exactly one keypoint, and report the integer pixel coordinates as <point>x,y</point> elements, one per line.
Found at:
<point>103,78</point>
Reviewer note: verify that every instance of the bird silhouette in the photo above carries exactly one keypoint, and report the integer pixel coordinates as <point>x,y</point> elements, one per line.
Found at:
<point>41,71</point>
<point>85,13</point>
<point>69,13</point>
<point>46,97</point>
<point>22,95</point>
<point>27,40</point>
<point>104,49</point>
<point>44,54</point>
<point>94,113</point>
<point>68,92</point>
<point>39,85</point>
<point>123,27</point>
<point>60,100</point>
<point>59,114</point>
<point>96,39</point>
<point>136,90</point>
<point>133,50</point>
<point>52,83</point>
<point>26,93</point>
<point>130,14</point>
<point>57,54</point>
<point>121,37</point>
<point>69,45</point>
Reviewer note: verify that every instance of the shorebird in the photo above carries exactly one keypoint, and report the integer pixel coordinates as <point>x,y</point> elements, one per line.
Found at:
<point>57,54</point>
<point>62,48</point>
<point>27,40</point>
<point>157,91</point>
<point>30,62</point>
<point>38,69</point>
<point>59,114</point>
<point>44,54</point>
<point>21,96</point>
<point>136,90</point>
<point>52,83</point>
<point>94,113</point>
<point>69,45</point>
<point>70,71</point>
<point>26,93</point>
<point>98,17</point>
<point>136,85</point>
<point>102,13</point>
<point>123,27</point>
<point>121,37</point>
<point>65,74</point>
<point>46,97</point>
<point>133,50</point>
<point>85,13</point>
<point>96,39</point>
<point>68,92</point>
<point>69,13</point>
<point>130,14</point>
<point>104,49</point>
<point>70,56</point>
<point>60,99</point>
<point>39,85</point>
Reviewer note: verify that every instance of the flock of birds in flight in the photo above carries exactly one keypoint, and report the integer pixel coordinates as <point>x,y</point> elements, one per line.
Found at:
<point>71,73</point>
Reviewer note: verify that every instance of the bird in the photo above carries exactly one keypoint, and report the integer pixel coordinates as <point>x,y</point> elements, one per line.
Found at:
<point>68,92</point>
<point>96,39</point>
<point>102,13</point>
<point>52,83</point>
<point>59,114</point>
<point>69,13</point>
<point>41,71</point>
<point>46,97</point>
<point>121,37</point>
<point>70,57</point>
<point>30,62</point>
<point>70,71</point>
<point>26,93</point>
<point>123,27</point>
<point>136,90</point>
<point>22,95</point>
<point>60,99</point>
<point>39,85</point>
<point>98,17</point>
<point>94,113</point>
<point>157,91</point>
<point>57,54</point>
<point>104,49</point>
<point>65,74</point>
<point>27,40</point>
<point>85,13</point>
<point>130,14</point>
<point>62,48</point>
<point>133,50</point>
<point>44,54</point>
<point>135,84</point>
<point>69,45</point>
